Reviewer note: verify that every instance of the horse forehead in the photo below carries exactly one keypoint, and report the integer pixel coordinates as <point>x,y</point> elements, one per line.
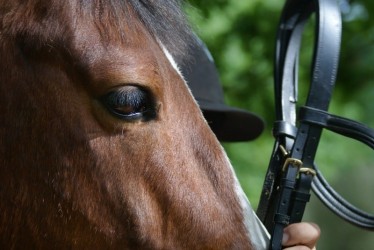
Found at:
<point>138,56</point>
<point>104,46</point>
<point>95,42</point>
<point>117,64</point>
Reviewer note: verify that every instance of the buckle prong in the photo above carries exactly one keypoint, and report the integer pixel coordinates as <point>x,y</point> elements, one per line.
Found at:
<point>283,150</point>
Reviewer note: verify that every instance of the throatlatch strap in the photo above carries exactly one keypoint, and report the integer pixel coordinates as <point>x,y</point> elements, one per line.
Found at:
<point>321,188</point>
<point>337,124</point>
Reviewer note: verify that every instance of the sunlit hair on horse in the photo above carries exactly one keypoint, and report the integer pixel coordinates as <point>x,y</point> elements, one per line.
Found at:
<point>163,19</point>
<point>102,144</point>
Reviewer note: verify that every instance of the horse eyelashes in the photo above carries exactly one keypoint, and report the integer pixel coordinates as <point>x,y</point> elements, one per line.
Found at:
<point>129,103</point>
<point>127,100</point>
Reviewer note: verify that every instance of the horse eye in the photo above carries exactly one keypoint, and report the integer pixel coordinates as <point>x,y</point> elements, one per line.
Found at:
<point>130,103</point>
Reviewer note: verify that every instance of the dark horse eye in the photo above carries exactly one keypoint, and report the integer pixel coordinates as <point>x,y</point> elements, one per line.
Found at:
<point>130,103</point>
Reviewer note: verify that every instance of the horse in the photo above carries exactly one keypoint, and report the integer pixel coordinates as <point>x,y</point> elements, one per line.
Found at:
<point>102,144</point>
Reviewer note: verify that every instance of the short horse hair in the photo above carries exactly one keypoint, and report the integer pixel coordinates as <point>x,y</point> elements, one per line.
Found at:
<point>164,19</point>
<point>173,31</point>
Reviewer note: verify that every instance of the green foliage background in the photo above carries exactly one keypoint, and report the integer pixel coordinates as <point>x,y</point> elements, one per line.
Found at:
<point>241,36</point>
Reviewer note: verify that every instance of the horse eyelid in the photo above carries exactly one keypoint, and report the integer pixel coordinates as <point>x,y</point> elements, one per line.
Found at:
<point>130,103</point>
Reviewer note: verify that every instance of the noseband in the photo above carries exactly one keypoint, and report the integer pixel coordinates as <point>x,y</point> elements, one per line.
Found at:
<point>292,172</point>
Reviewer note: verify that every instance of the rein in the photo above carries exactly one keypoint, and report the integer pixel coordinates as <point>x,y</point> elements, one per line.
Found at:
<point>292,172</point>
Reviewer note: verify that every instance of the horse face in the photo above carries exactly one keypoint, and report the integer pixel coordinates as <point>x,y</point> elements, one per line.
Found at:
<point>104,144</point>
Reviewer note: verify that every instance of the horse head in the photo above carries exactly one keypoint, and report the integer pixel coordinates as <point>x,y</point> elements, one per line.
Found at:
<point>102,143</point>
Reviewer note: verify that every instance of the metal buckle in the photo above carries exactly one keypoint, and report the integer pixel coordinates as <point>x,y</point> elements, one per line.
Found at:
<point>309,171</point>
<point>295,162</point>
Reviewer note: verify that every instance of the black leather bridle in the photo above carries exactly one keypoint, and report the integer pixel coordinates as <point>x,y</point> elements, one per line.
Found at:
<point>292,172</point>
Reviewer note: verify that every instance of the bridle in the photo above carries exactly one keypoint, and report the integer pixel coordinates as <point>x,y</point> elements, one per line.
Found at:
<point>292,172</point>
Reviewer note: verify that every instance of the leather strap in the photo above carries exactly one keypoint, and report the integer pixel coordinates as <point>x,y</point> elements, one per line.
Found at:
<point>321,188</point>
<point>291,171</point>
<point>337,124</point>
<point>286,187</point>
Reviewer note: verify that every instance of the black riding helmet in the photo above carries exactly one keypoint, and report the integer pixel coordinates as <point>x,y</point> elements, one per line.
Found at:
<point>228,123</point>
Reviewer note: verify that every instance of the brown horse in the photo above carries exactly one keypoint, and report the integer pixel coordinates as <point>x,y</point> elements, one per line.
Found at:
<point>102,144</point>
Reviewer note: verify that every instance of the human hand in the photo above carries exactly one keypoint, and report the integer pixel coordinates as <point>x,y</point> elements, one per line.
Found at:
<point>301,236</point>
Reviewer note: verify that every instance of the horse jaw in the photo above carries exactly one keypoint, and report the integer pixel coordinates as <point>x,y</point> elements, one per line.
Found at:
<point>256,231</point>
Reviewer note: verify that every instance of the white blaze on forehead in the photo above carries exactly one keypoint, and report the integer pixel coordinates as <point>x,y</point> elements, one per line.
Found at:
<point>176,67</point>
<point>171,59</point>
